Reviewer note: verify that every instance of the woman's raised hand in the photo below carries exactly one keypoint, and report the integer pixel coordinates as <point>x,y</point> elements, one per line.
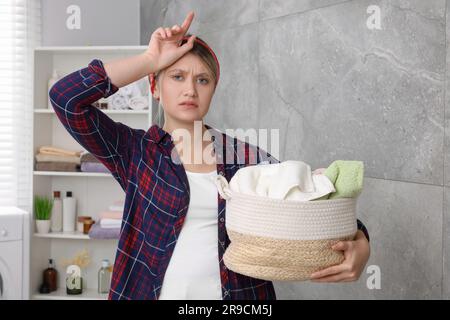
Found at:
<point>164,47</point>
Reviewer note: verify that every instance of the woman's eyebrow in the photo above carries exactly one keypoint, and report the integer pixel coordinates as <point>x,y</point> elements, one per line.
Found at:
<point>183,71</point>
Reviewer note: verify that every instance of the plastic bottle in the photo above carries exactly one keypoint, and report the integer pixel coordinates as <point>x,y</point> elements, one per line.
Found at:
<point>69,212</point>
<point>57,212</point>
<point>104,277</point>
<point>50,276</point>
<point>51,82</point>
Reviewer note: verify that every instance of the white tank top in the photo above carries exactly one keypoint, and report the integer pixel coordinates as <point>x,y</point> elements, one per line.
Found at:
<point>193,271</point>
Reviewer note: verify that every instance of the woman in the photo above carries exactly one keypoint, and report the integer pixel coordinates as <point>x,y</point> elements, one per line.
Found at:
<point>171,199</point>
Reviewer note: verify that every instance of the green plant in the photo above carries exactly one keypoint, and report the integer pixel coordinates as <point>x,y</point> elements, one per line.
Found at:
<point>43,207</point>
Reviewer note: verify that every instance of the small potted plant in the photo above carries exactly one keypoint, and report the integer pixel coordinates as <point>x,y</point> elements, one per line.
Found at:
<point>43,209</point>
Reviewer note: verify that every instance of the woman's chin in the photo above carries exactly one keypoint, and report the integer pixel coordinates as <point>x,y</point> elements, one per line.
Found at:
<point>189,116</point>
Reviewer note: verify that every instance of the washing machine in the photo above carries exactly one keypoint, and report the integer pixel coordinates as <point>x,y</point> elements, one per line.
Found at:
<point>11,251</point>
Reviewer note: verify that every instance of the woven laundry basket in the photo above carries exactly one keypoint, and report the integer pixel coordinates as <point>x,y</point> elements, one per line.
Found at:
<point>286,240</point>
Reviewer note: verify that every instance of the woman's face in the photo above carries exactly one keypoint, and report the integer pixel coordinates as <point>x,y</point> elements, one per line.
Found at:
<point>188,79</point>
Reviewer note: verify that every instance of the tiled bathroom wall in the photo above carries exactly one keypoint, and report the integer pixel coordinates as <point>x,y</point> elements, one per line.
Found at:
<point>354,80</point>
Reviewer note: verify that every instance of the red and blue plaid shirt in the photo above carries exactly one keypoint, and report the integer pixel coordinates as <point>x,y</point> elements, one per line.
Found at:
<point>156,187</point>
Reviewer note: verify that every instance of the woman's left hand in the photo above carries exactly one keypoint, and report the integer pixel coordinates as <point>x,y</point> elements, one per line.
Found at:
<point>356,254</point>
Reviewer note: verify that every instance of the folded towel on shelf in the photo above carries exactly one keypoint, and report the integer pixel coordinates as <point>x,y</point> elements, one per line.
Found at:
<point>347,177</point>
<point>130,90</point>
<point>111,215</point>
<point>288,180</point>
<point>88,157</point>
<point>97,232</point>
<point>118,101</point>
<point>110,223</point>
<point>57,158</point>
<point>94,167</point>
<point>58,151</point>
<point>57,166</point>
<point>138,103</point>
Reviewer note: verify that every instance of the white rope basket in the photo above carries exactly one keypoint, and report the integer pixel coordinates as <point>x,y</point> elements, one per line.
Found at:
<point>276,239</point>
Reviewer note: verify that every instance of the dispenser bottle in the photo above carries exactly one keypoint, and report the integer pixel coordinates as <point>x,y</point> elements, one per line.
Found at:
<point>57,212</point>
<point>69,212</point>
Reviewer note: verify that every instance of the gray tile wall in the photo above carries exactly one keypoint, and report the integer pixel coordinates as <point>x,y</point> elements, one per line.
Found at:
<point>337,90</point>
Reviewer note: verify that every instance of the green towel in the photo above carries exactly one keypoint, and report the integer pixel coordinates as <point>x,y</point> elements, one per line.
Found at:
<point>347,177</point>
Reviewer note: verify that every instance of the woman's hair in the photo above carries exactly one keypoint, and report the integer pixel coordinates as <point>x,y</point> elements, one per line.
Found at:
<point>204,54</point>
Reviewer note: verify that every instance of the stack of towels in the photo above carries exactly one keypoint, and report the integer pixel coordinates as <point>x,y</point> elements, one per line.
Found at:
<point>110,222</point>
<point>51,158</point>
<point>128,97</point>
<point>89,163</point>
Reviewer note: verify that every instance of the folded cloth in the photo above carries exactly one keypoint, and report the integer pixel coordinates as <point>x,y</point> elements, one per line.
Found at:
<point>110,223</point>
<point>57,158</point>
<point>58,151</point>
<point>56,166</point>
<point>347,177</point>
<point>138,103</point>
<point>111,215</point>
<point>118,101</point>
<point>97,232</point>
<point>130,90</point>
<point>94,167</point>
<point>88,157</point>
<point>288,180</point>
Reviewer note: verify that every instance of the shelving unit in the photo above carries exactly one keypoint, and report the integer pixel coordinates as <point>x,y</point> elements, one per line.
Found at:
<point>93,192</point>
<point>60,294</point>
<point>129,112</point>
<point>64,235</point>
<point>72,174</point>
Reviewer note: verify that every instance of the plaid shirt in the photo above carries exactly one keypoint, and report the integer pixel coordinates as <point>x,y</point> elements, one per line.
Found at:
<point>156,187</point>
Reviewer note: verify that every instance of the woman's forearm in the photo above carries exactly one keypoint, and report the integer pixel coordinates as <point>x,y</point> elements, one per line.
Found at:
<point>124,71</point>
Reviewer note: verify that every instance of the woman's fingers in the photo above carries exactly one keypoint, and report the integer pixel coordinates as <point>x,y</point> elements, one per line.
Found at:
<point>341,277</point>
<point>329,271</point>
<point>342,246</point>
<point>168,32</point>
<point>188,45</point>
<point>187,22</point>
<point>162,33</point>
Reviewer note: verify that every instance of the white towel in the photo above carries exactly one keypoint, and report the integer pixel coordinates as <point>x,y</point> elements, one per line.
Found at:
<point>138,103</point>
<point>131,90</point>
<point>288,180</point>
<point>118,101</point>
<point>110,223</point>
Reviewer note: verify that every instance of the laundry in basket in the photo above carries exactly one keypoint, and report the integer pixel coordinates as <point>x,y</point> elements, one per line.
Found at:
<point>279,222</point>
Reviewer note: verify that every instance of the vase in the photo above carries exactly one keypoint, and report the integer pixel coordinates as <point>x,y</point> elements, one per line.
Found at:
<point>43,226</point>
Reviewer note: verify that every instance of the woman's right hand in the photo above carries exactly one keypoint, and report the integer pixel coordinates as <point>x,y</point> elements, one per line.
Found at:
<point>164,47</point>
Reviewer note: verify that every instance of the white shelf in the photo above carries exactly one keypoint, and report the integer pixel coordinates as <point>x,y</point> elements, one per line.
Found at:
<point>93,194</point>
<point>129,112</point>
<point>75,235</point>
<point>70,49</point>
<point>72,174</point>
<point>63,235</point>
<point>60,294</point>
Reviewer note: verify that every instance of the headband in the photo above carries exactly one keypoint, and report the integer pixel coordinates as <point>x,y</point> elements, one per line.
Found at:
<point>152,75</point>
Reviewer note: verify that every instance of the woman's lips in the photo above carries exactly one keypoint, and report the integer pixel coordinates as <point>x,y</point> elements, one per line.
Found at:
<point>188,106</point>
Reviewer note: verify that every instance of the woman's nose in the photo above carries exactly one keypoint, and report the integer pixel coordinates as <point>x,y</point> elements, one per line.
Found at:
<point>190,87</point>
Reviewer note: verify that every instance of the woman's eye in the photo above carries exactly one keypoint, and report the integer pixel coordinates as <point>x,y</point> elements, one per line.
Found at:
<point>205,81</point>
